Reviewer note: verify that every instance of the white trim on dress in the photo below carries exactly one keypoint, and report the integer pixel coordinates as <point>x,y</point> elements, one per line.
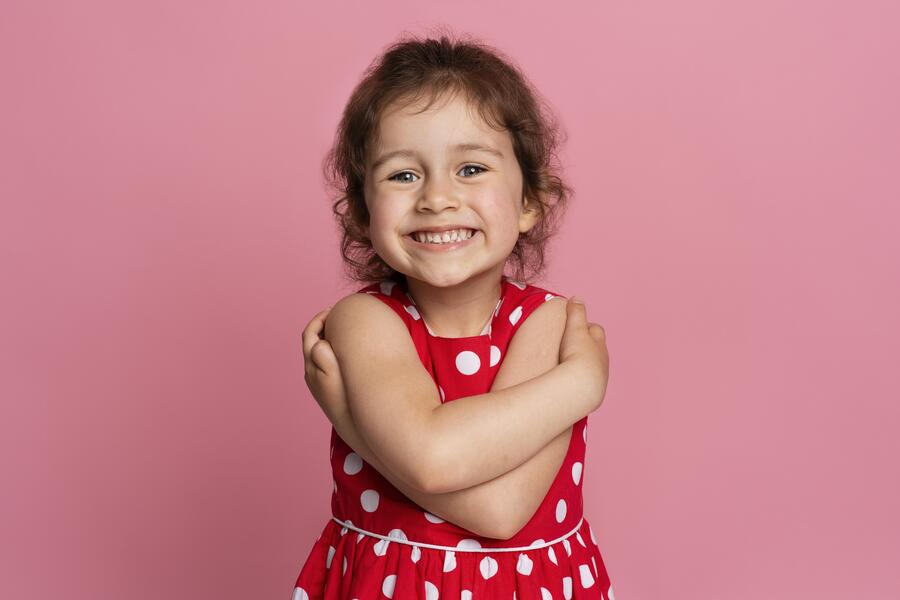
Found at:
<point>350,525</point>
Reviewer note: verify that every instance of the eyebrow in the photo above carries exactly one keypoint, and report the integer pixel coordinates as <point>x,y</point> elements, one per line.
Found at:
<point>410,154</point>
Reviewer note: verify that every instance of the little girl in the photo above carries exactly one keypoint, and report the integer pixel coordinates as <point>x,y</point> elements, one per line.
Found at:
<point>459,396</point>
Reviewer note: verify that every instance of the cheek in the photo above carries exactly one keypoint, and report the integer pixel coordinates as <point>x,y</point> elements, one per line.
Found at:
<point>382,224</point>
<point>504,220</point>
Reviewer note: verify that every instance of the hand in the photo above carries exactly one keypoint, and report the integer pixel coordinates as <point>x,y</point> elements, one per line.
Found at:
<point>323,373</point>
<point>584,345</point>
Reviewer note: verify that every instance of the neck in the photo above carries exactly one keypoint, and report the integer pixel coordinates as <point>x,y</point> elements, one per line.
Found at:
<point>460,310</point>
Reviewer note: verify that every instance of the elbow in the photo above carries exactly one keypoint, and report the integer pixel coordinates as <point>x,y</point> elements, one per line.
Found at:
<point>506,522</point>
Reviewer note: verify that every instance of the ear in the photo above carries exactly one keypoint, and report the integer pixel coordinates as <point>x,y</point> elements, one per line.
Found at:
<point>529,216</point>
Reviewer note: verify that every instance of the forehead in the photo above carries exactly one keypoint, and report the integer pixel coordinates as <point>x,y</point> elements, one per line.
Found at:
<point>450,120</point>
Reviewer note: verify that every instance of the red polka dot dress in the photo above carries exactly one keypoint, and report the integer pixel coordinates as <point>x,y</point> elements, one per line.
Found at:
<point>379,544</point>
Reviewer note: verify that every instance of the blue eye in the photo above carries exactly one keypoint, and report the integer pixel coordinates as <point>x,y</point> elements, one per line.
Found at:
<point>480,169</point>
<point>395,176</point>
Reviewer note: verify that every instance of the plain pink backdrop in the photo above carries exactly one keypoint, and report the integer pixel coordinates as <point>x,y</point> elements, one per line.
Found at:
<point>165,236</point>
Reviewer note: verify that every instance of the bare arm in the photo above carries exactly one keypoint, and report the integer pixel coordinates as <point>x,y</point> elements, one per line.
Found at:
<point>502,506</point>
<point>438,447</point>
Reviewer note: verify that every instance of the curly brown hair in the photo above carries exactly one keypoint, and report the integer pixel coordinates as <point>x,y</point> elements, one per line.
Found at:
<point>414,68</point>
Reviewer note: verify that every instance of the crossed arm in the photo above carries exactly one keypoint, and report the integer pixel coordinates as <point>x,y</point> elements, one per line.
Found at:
<point>497,507</point>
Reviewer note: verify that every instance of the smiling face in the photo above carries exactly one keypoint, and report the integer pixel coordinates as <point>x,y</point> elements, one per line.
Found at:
<point>442,169</point>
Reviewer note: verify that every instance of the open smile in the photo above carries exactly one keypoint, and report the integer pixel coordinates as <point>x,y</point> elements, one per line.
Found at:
<point>442,246</point>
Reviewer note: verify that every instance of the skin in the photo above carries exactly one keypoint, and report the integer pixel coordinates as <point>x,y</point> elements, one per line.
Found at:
<point>439,185</point>
<point>436,183</point>
<point>532,351</point>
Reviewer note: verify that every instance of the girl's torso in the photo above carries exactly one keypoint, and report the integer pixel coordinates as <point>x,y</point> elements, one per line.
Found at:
<point>379,544</point>
<point>363,499</point>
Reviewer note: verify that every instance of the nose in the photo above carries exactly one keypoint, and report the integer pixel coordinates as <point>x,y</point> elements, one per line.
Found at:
<point>436,195</point>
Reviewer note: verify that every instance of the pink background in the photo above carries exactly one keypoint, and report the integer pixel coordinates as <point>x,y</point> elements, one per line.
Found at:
<point>165,236</point>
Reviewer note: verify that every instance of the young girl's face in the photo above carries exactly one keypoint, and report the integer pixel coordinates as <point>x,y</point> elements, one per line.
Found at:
<point>444,168</point>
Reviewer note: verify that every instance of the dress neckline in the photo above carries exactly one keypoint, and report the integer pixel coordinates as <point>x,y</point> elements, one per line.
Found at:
<point>488,326</point>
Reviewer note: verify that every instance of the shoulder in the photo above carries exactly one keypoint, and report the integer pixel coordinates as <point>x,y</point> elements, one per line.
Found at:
<point>543,318</point>
<point>534,346</point>
<point>371,342</point>
<point>543,312</point>
<point>544,326</point>
<point>360,315</point>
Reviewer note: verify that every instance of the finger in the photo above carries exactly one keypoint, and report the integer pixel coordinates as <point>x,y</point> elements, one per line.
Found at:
<point>576,314</point>
<point>311,333</point>
<point>597,331</point>
<point>323,357</point>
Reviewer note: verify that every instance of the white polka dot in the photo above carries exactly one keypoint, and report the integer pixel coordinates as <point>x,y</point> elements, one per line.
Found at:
<point>488,567</point>
<point>580,539</point>
<point>467,362</point>
<point>416,554</point>
<point>369,500</point>
<point>412,310</point>
<point>524,565</point>
<point>567,588</point>
<point>467,595</point>
<point>331,454</point>
<point>549,297</point>
<point>386,286</point>
<point>545,594</point>
<point>536,543</point>
<point>591,530</point>
<point>552,554</point>
<point>496,312</point>
<point>359,536</point>
<point>449,560</point>
<point>609,593</point>
<point>587,580</point>
<point>495,355</point>
<point>521,286</point>
<point>441,390</point>
<point>381,546</point>
<point>568,547</point>
<point>468,544</point>
<point>387,587</point>
<point>594,562</point>
<point>576,472</point>
<point>353,464</point>
<point>515,315</point>
<point>431,591</point>
<point>432,518</point>
<point>300,594</point>
<point>331,552</point>
<point>344,568</point>
<point>397,534</point>
<point>584,433</point>
<point>560,511</point>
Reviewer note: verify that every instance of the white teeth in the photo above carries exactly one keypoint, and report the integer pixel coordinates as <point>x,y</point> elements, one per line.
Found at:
<point>444,237</point>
